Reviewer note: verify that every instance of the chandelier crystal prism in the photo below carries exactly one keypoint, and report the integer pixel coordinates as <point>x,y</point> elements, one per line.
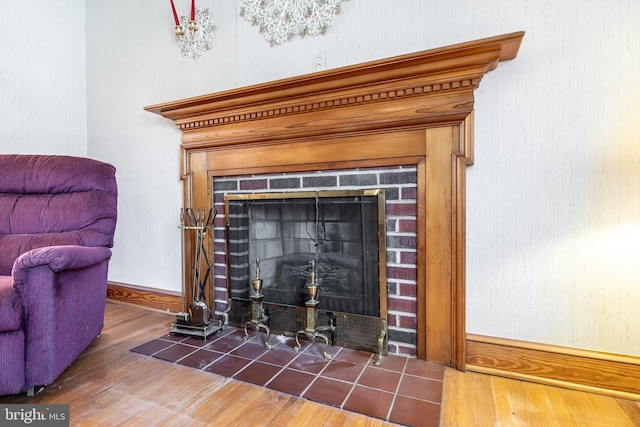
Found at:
<point>282,20</point>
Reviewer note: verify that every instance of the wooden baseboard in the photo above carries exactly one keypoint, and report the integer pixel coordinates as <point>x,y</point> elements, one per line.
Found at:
<point>167,301</point>
<point>585,370</point>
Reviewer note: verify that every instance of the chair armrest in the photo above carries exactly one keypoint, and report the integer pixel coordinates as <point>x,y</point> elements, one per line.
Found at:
<point>57,258</point>
<point>63,289</point>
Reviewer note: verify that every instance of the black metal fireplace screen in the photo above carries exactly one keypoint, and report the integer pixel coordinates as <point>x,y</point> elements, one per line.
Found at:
<point>339,234</point>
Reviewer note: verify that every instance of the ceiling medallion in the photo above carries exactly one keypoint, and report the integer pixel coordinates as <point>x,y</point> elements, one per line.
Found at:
<point>282,20</point>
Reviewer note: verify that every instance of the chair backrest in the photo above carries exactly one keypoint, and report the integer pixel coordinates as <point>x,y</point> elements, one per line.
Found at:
<point>50,200</point>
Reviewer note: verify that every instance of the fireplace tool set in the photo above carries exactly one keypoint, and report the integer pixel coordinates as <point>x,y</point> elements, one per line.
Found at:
<point>198,320</point>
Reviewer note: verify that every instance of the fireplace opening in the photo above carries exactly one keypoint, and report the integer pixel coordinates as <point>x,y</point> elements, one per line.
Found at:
<point>340,234</point>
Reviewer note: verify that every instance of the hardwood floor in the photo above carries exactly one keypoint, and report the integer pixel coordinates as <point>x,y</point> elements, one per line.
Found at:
<point>472,399</point>
<point>109,385</point>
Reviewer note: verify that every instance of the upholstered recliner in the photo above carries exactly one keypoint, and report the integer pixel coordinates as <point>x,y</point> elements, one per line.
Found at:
<point>57,221</point>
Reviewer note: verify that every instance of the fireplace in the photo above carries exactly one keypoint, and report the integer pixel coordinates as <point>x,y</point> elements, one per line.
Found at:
<point>381,250</point>
<point>412,110</point>
<point>338,235</point>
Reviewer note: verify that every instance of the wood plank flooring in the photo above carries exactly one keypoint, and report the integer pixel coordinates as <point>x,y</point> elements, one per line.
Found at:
<point>109,385</point>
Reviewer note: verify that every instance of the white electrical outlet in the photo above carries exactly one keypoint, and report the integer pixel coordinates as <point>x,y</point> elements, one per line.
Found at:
<point>319,62</point>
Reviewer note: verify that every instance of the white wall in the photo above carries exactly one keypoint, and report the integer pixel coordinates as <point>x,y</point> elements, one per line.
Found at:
<point>553,199</point>
<point>43,77</point>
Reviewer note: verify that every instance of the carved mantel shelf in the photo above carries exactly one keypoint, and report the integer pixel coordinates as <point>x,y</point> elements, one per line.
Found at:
<point>412,109</point>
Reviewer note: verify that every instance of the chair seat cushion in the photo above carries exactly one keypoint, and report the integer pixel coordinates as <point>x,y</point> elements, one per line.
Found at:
<point>11,310</point>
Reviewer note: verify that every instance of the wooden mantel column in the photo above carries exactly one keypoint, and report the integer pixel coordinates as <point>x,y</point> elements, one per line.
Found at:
<point>414,109</point>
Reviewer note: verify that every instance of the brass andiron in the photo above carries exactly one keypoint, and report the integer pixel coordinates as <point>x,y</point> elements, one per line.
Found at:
<point>258,318</point>
<point>311,331</point>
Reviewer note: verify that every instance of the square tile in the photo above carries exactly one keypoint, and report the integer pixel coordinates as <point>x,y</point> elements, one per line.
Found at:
<point>414,412</point>
<point>200,359</point>
<point>375,403</point>
<point>152,347</point>
<point>326,390</point>
<point>291,381</point>
<point>224,344</point>
<point>175,352</point>
<point>344,371</point>
<point>197,342</point>
<point>308,363</point>
<point>249,350</point>
<point>278,356</point>
<point>380,379</point>
<point>287,343</point>
<point>317,348</point>
<point>258,373</point>
<point>227,365</point>
<point>353,356</point>
<point>392,362</point>
<point>421,388</point>
<point>350,380</point>
<point>174,338</point>
<point>236,334</point>
<point>420,368</point>
<point>259,337</point>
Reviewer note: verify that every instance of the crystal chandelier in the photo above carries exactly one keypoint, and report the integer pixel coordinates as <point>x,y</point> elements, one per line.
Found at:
<point>282,20</point>
<point>197,38</point>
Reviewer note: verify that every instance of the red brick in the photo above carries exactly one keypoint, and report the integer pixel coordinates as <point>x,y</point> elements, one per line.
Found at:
<point>402,305</point>
<point>392,320</point>
<point>253,184</point>
<point>410,193</point>
<point>407,226</point>
<point>407,257</point>
<point>408,322</point>
<point>401,209</point>
<point>404,273</point>
<point>401,349</point>
<point>408,290</point>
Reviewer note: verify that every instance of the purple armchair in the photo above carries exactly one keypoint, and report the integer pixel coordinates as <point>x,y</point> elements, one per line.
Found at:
<point>57,221</point>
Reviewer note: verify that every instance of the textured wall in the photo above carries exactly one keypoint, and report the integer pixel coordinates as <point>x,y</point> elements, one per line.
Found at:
<point>43,77</point>
<point>553,197</point>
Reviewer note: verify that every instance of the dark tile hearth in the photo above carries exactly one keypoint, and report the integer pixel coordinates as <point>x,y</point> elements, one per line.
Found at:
<point>401,390</point>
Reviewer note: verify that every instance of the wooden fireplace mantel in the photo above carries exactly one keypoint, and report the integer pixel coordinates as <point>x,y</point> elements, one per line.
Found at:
<point>414,109</point>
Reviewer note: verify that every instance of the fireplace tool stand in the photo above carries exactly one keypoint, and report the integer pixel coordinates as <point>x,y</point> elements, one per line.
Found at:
<point>311,331</point>
<point>198,321</point>
<point>258,317</point>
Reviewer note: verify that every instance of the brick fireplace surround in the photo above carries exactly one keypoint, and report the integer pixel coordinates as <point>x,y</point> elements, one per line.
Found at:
<point>400,188</point>
<point>413,110</point>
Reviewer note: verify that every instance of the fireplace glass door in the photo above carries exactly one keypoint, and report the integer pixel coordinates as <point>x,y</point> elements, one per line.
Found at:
<point>340,235</point>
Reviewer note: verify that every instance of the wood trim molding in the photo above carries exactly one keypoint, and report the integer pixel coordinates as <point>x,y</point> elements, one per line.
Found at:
<point>436,80</point>
<point>585,370</point>
<point>156,299</point>
<point>412,109</point>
